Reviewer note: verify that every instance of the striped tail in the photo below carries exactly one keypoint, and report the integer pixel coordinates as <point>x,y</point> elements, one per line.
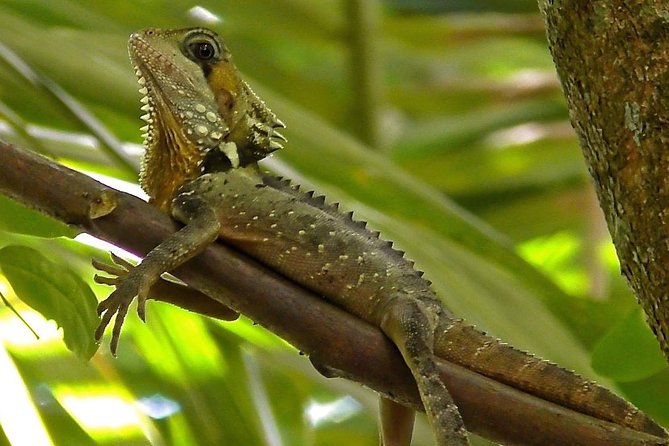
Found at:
<point>462,344</point>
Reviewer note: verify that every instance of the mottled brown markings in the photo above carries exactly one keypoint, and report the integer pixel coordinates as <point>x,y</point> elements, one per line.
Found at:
<point>484,354</point>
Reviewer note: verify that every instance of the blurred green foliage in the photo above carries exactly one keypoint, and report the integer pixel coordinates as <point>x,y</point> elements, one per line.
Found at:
<point>476,174</point>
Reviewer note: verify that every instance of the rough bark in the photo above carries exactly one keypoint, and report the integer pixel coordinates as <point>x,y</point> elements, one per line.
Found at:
<point>613,61</point>
<point>336,341</point>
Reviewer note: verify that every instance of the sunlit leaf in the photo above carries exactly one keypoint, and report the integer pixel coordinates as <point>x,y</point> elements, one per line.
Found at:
<point>56,292</point>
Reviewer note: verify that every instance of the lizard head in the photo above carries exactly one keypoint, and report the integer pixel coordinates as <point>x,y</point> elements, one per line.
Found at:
<point>200,114</point>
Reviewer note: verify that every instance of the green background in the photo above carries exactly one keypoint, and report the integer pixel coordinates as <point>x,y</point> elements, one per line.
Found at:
<point>449,134</point>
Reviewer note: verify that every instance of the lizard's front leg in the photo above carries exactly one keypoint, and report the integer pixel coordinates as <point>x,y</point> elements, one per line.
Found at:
<point>202,229</point>
<point>167,291</point>
<point>407,323</point>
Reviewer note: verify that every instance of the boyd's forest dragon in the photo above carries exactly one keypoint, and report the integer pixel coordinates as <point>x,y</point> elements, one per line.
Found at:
<point>206,131</point>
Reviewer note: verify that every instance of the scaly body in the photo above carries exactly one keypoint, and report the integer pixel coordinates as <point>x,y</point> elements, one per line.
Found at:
<point>206,132</point>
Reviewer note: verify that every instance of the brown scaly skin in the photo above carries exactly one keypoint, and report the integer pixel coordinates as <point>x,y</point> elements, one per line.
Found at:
<point>305,239</point>
<point>199,112</point>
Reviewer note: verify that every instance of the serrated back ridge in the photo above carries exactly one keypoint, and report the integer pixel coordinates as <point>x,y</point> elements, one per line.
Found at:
<point>332,209</point>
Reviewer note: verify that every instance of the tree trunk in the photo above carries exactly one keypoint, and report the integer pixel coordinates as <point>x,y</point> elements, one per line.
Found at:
<point>613,61</point>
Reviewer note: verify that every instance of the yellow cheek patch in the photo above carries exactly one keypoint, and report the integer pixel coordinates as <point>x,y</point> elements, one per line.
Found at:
<point>226,85</point>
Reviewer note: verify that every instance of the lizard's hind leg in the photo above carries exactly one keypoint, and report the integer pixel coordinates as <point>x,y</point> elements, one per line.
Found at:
<point>396,423</point>
<point>408,324</point>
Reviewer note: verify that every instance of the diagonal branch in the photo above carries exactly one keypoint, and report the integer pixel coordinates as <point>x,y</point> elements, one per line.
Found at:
<point>334,339</point>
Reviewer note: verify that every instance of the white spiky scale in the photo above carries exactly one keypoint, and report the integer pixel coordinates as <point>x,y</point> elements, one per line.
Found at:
<point>278,135</point>
<point>275,145</point>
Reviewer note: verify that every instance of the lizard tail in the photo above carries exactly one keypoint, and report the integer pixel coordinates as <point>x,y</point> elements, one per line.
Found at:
<point>464,345</point>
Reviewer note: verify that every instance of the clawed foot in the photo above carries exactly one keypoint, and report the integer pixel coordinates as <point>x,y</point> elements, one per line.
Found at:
<point>130,281</point>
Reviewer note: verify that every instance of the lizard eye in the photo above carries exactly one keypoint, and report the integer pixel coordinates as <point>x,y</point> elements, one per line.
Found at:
<point>201,48</point>
<point>203,51</point>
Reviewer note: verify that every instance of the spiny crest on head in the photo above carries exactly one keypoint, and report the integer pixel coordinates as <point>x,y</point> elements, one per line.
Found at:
<point>264,133</point>
<point>200,114</point>
<point>183,123</point>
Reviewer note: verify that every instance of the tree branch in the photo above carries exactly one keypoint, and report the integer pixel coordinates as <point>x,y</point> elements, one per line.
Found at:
<point>330,336</point>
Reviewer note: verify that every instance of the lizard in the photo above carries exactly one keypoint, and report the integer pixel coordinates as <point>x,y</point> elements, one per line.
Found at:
<point>206,132</point>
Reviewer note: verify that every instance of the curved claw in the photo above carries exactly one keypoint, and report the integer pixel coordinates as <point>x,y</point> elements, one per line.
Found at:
<point>103,280</point>
<point>128,284</point>
<point>104,322</point>
<point>121,312</point>
<point>117,271</point>
<point>141,309</point>
<point>130,281</point>
<point>106,304</point>
<point>109,269</point>
<point>121,262</point>
<point>114,307</point>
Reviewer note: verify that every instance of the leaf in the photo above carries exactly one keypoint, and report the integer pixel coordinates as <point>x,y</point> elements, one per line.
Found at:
<point>629,352</point>
<point>17,314</point>
<point>651,395</point>
<point>14,217</point>
<point>56,292</point>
